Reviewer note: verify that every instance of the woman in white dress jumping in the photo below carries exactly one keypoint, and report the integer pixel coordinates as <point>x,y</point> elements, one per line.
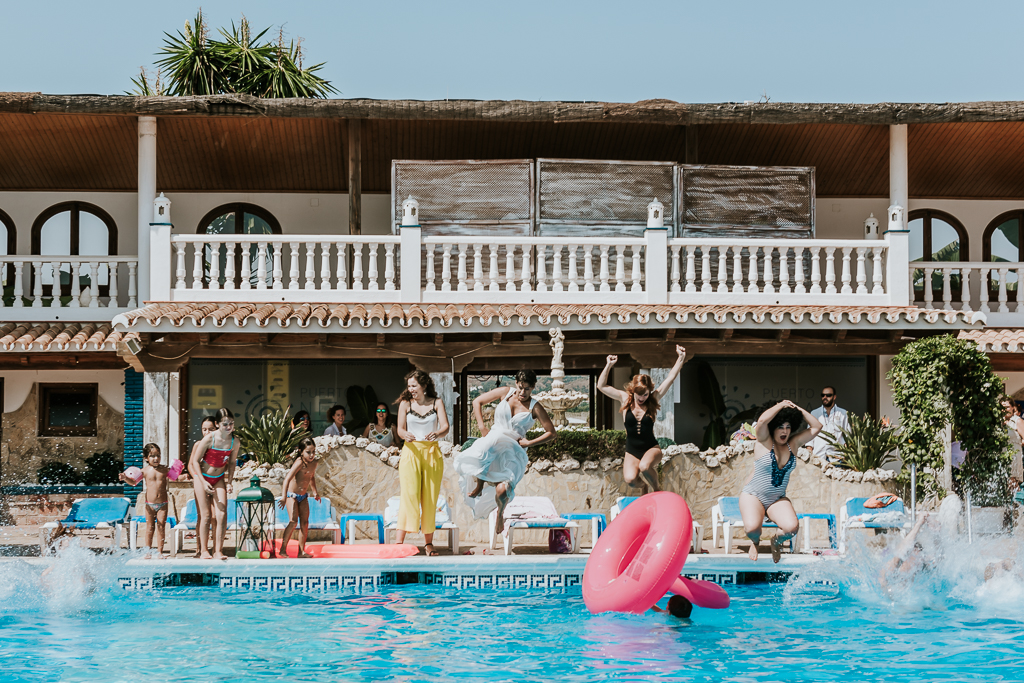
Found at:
<point>498,458</point>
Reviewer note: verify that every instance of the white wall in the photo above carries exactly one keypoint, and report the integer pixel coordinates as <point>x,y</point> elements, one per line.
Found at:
<point>844,218</point>
<point>18,384</point>
<point>307,213</point>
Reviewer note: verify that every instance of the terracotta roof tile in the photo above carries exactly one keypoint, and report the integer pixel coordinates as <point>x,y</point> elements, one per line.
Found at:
<point>996,340</point>
<point>433,316</point>
<point>52,336</point>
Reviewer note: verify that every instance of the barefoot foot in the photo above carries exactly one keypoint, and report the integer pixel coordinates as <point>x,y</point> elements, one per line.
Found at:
<point>220,556</point>
<point>752,553</point>
<point>478,487</point>
<point>206,556</point>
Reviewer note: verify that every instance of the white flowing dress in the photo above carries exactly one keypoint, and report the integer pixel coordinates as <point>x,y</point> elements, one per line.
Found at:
<point>495,458</point>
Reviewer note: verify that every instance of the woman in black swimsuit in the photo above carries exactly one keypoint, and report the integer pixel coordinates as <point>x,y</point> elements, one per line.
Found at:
<point>640,403</point>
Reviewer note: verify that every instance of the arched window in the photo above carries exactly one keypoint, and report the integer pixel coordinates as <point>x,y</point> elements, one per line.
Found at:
<point>238,219</point>
<point>8,245</point>
<point>1001,243</point>
<point>936,236</point>
<point>74,229</point>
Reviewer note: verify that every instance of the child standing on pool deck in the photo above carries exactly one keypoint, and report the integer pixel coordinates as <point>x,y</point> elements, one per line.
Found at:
<point>301,478</point>
<point>155,476</point>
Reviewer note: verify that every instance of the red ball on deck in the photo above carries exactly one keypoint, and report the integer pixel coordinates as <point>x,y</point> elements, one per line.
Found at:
<point>265,555</point>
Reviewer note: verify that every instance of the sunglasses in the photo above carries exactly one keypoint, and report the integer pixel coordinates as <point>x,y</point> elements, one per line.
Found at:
<point>827,395</point>
<point>382,410</point>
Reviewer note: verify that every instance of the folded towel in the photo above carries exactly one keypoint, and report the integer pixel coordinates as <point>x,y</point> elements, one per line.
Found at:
<point>531,507</point>
<point>880,518</point>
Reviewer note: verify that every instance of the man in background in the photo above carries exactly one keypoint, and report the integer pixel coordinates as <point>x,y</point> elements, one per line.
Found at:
<point>834,420</point>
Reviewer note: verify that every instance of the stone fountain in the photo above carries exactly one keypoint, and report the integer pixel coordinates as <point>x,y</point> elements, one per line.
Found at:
<point>558,400</point>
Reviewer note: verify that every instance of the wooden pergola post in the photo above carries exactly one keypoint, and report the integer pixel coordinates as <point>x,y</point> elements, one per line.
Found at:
<point>355,178</point>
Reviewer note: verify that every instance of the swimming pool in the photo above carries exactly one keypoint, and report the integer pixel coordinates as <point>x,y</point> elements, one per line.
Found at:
<point>804,630</point>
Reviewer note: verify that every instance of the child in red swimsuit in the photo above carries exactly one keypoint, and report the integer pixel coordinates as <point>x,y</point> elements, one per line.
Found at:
<point>213,467</point>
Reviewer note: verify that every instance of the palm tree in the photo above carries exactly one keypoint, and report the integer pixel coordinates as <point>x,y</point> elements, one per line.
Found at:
<point>195,64</point>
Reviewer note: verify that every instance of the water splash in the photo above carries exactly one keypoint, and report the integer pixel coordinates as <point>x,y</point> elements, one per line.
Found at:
<point>941,570</point>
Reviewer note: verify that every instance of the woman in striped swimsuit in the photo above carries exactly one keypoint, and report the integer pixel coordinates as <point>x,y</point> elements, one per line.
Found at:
<point>779,437</point>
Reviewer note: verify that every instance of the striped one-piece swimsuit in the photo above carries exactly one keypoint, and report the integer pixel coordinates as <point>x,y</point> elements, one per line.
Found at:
<point>770,481</point>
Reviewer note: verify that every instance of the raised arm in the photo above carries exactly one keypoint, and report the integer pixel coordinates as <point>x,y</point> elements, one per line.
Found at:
<point>545,421</point>
<point>442,421</point>
<point>602,382</point>
<point>761,432</point>
<point>673,373</point>
<point>813,427</point>
<point>480,401</point>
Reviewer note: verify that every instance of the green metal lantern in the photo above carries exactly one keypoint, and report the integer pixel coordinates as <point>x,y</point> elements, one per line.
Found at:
<point>256,520</point>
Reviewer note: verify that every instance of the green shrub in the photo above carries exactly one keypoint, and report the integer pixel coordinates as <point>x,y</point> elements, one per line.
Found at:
<point>53,472</point>
<point>868,444</point>
<point>590,445</point>
<point>271,439</point>
<point>102,468</point>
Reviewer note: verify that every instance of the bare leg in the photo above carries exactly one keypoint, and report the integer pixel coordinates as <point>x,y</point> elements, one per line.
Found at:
<point>161,523</point>
<point>649,468</point>
<point>204,512</point>
<point>631,469</point>
<point>293,518</point>
<point>400,536</point>
<point>303,509</point>
<point>753,517</point>
<point>782,513</point>
<point>220,514</point>
<point>501,498</point>
<point>477,488</point>
<point>150,526</point>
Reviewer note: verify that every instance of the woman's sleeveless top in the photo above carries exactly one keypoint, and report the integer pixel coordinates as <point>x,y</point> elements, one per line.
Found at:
<point>421,425</point>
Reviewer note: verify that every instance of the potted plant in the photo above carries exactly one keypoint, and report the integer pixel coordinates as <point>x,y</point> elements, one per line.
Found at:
<point>868,444</point>
<point>271,439</point>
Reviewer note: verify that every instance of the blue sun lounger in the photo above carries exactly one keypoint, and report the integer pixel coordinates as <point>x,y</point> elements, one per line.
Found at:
<point>190,520</point>
<point>854,515</point>
<point>91,514</point>
<point>727,515</point>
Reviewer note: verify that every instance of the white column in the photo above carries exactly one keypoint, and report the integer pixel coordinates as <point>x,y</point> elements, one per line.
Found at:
<point>173,418</point>
<point>409,259</point>
<point>146,195</point>
<point>156,397</point>
<point>899,188</point>
<point>665,426</point>
<point>656,275</point>
<point>444,383</point>
<point>160,268</point>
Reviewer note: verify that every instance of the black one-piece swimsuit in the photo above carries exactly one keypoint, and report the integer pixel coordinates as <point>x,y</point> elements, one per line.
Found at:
<point>639,436</point>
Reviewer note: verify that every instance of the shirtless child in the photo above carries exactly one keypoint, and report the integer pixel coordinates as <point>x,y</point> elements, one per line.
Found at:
<point>301,478</point>
<point>155,476</point>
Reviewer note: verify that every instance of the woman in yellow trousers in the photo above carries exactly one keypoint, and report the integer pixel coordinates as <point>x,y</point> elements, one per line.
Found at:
<point>421,422</point>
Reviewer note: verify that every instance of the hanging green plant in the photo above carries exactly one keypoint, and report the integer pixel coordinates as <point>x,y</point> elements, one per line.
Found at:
<point>942,381</point>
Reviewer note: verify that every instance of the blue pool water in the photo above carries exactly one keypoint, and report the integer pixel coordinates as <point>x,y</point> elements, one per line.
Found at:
<point>806,630</point>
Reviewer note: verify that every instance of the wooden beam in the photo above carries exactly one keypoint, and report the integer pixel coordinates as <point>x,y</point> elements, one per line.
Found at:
<point>47,360</point>
<point>438,340</point>
<point>782,335</point>
<point>496,339</point>
<point>380,340</point>
<point>726,334</point>
<point>355,178</point>
<point>670,334</point>
<point>664,112</point>
<point>612,335</point>
<point>838,336</point>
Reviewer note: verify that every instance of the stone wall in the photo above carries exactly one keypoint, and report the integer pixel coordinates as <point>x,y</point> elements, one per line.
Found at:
<point>361,480</point>
<point>24,451</point>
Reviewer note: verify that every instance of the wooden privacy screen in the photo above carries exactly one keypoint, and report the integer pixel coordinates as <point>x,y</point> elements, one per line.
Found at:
<point>574,197</point>
<point>600,198</point>
<point>746,201</point>
<point>466,197</point>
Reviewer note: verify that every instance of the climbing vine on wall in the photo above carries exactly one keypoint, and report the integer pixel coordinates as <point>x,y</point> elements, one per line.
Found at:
<point>943,380</point>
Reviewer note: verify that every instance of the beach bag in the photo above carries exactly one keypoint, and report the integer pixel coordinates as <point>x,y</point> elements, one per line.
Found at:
<point>559,541</point>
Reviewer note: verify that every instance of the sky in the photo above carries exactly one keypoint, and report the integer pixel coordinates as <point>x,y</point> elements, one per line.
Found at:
<point>616,51</point>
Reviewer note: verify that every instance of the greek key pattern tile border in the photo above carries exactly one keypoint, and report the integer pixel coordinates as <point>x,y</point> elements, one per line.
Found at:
<point>504,581</point>
<point>721,578</point>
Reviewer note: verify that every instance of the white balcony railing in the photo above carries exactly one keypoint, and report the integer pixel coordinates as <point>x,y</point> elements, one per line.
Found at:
<point>411,268</point>
<point>783,271</point>
<point>277,267</point>
<point>67,288</point>
<point>989,287</point>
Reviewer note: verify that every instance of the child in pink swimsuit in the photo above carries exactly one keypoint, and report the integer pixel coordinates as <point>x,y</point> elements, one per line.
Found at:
<point>212,466</point>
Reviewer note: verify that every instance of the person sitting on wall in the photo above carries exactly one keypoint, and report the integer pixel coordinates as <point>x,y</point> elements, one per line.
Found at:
<point>383,428</point>
<point>336,418</point>
<point>302,420</point>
